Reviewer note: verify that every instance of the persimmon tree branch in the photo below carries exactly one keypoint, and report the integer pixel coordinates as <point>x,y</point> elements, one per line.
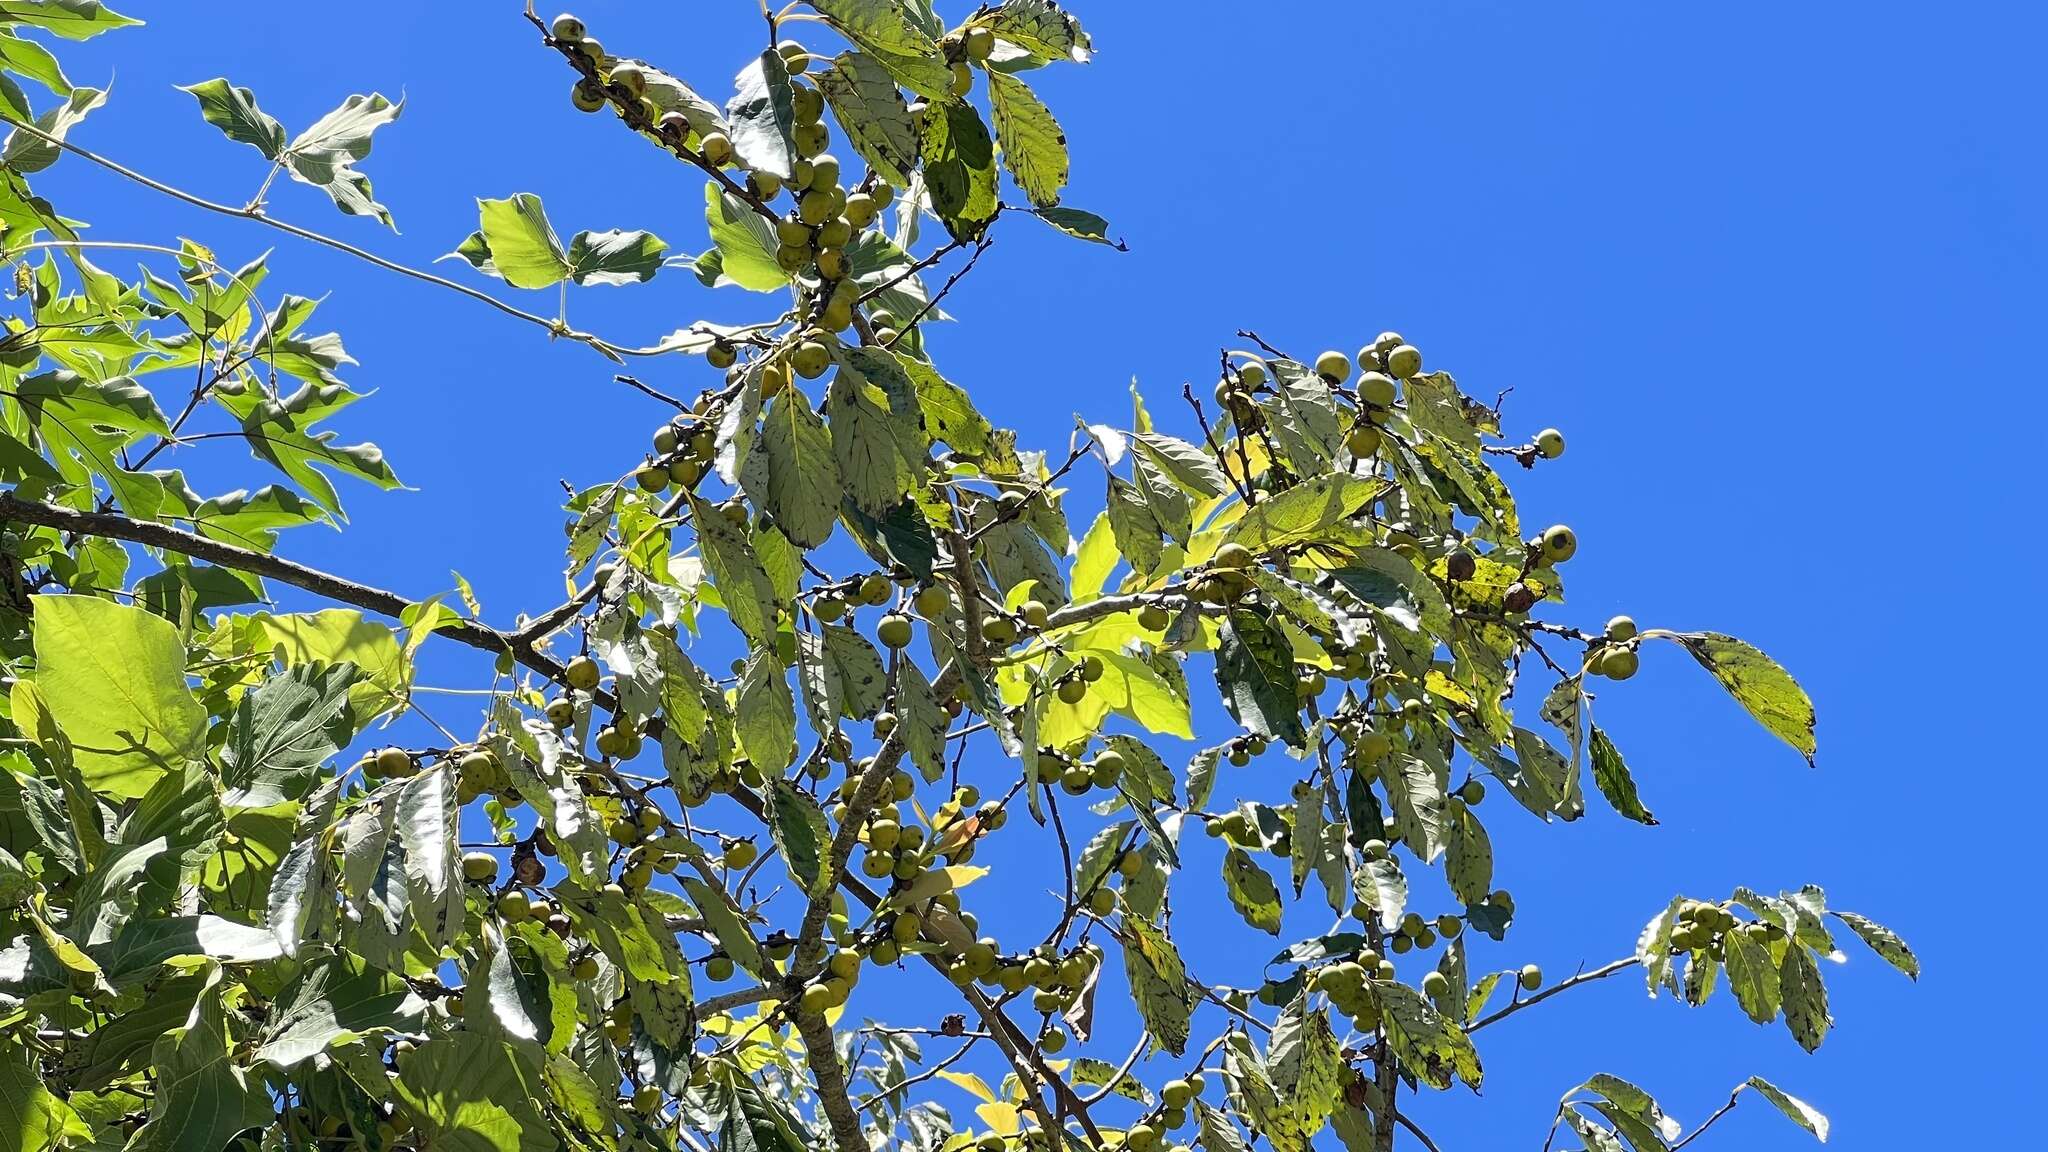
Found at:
<point>255,214</point>
<point>114,526</point>
<point>1600,973</point>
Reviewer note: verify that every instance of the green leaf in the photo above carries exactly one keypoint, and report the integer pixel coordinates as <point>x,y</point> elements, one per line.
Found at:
<point>1883,941</point>
<point>872,113</point>
<point>1751,976</point>
<point>876,439</point>
<point>33,1118</point>
<point>1614,780</point>
<point>949,413</point>
<point>516,243</point>
<point>804,489</point>
<point>1255,670</point>
<point>615,257</point>
<point>1379,885</point>
<point>1757,682</point>
<point>1136,526</point>
<point>762,117</point>
<point>959,168</point>
<point>1080,225</point>
<point>1033,144</point>
<point>1806,999</point>
<point>113,676</point>
<point>1215,1131</point>
<point>1632,1111</point>
<point>897,43</point>
<point>1043,29</point>
<point>1307,1068</point>
<point>922,720</point>
<point>64,397</point>
<point>726,926</point>
<point>325,154</point>
<point>30,59</point>
<point>1189,467</point>
<point>1302,512</point>
<point>471,1093</point>
<point>1468,861</point>
<point>860,683</point>
<point>427,830</point>
<point>743,585</point>
<point>802,835</point>
<point>202,1097</point>
<point>233,110</point>
<point>1251,891</point>
<point>757,1122</point>
<point>1429,1044</point>
<point>25,153</point>
<point>766,713</point>
<point>71,19</point>
<point>336,998</point>
<point>1158,983</point>
<point>743,246</point>
<point>282,730</point>
<point>1803,1114</point>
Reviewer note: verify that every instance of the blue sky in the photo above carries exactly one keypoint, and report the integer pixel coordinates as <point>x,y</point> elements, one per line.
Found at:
<point>1768,267</point>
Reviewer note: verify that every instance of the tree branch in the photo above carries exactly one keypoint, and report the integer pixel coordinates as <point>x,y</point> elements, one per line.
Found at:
<point>115,526</point>
<point>1600,973</point>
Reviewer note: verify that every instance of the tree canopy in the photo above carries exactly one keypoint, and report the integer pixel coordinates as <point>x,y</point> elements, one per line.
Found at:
<point>650,896</point>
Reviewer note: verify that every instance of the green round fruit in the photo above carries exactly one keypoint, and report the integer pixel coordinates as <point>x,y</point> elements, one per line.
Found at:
<point>1559,544</point>
<point>1363,440</point>
<point>1377,389</point>
<point>585,968</point>
<point>716,149</point>
<point>514,907</point>
<point>1531,977</point>
<point>1000,631</point>
<point>393,762</point>
<point>587,97</point>
<point>894,630</point>
<point>1334,366</point>
<point>567,28</point>
<point>810,359</point>
<point>1549,443</point>
<point>1153,618</point>
<point>629,77</point>
<point>962,81</point>
<point>1617,663</point>
<point>1449,927</point>
<point>1073,691</point>
<point>1252,374</point>
<point>1621,628</point>
<point>582,673</point>
<point>794,57</point>
<point>1472,792</point>
<point>479,867</point>
<point>1232,556</point>
<point>1435,985</point>
<point>1102,901</point>
<point>1404,361</point>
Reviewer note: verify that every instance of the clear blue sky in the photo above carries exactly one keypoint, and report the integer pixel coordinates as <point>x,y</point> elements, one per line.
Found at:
<point>1767,265</point>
